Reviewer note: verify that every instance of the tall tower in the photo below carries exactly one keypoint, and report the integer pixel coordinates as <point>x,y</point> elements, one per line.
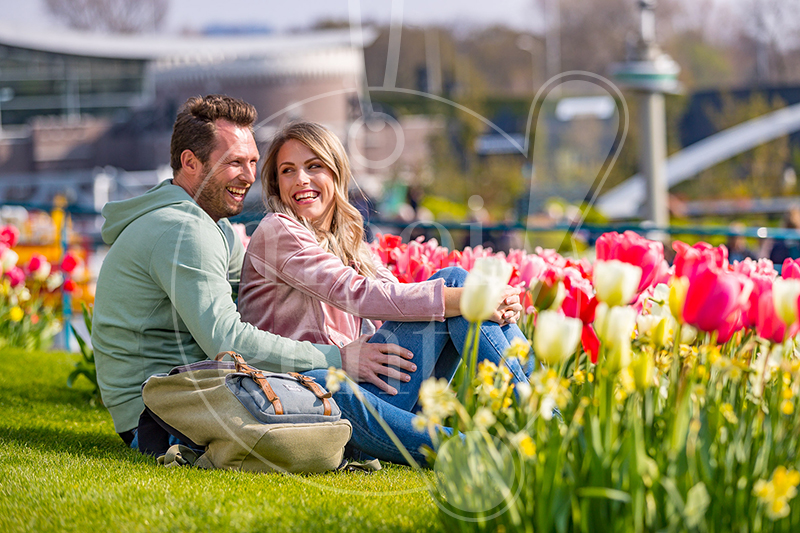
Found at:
<point>651,73</point>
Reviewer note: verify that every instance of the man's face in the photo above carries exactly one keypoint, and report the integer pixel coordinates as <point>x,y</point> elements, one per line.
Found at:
<point>229,172</point>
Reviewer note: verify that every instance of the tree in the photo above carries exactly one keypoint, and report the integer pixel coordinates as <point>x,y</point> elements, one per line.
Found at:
<point>110,16</point>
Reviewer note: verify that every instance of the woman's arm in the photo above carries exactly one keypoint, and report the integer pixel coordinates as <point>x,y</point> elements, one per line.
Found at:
<point>282,249</point>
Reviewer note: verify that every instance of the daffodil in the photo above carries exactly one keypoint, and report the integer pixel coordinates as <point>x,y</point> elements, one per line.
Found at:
<point>16,314</point>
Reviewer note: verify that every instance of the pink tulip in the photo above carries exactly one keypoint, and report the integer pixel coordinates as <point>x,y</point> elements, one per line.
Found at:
<point>688,258</point>
<point>761,284</point>
<point>632,248</point>
<point>9,235</point>
<point>69,263</point>
<point>531,269</point>
<point>790,269</point>
<point>768,325</point>
<point>715,297</point>
<point>16,276</point>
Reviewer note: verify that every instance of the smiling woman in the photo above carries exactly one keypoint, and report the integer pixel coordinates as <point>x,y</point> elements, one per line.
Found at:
<point>308,275</point>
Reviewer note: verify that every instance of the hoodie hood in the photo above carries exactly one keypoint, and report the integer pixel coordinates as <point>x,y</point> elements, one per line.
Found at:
<point>119,214</point>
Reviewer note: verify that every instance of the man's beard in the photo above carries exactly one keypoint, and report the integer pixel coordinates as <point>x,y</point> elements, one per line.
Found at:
<point>212,198</point>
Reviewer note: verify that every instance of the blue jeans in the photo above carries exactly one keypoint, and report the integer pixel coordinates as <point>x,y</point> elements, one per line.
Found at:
<point>437,349</point>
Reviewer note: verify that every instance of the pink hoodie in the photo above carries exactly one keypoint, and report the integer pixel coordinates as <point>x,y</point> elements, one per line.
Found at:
<point>294,288</point>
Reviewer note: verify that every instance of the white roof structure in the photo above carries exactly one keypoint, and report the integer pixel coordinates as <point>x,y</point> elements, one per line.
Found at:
<point>196,48</point>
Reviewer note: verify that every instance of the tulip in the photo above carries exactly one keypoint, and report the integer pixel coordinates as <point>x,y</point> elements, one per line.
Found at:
<point>8,260</point>
<point>643,368</point>
<point>69,263</point>
<point>54,281</point>
<point>785,293</point>
<point>590,343</point>
<point>689,258</point>
<point>714,296</point>
<point>790,268</point>
<point>69,286</point>
<point>632,248</point>
<point>677,296</point>
<point>616,282</point>
<point>614,326</point>
<point>39,267</point>
<point>9,236</point>
<point>556,337</point>
<point>16,276</point>
<point>483,288</point>
<point>768,324</point>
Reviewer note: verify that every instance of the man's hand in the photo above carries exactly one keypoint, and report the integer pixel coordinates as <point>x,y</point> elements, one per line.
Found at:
<point>509,309</point>
<point>363,361</point>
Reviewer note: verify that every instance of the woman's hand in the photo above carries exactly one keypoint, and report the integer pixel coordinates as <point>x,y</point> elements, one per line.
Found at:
<point>363,361</point>
<point>509,309</point>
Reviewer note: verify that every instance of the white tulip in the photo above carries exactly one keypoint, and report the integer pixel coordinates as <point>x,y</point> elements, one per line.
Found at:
<point>483,288</point>
<point>556,337</point>
<point>41,273</point>
<point>614,326</point>
<point>616,282</point>
<point>785,293</point>
<point>8,259</point>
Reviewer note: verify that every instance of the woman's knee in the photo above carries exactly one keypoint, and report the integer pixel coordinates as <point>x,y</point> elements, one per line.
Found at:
<point>453,276</point>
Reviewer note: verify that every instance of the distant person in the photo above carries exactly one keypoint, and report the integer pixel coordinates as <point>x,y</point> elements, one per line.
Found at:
<point>780,249</point>
<point>737,244</point>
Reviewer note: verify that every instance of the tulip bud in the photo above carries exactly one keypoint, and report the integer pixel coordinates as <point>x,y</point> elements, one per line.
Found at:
<point>785,293</point>
<point>483,288</point>
<point>643,368</point>
<point>616,282</point>
<point>677,296</point>
<point>556,337</point>
<point>688,334</point>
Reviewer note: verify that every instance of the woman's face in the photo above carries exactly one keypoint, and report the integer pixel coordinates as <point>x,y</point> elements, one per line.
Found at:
<point>305,183</point>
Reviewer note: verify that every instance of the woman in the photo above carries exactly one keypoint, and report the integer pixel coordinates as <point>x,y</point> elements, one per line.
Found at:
<point>308,275</point>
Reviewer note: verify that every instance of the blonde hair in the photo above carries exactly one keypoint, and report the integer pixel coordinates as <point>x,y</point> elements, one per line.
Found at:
<point>345,238</point>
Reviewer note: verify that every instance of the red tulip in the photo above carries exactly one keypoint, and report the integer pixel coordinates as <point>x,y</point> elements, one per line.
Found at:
<point>579,301</point>
<point>790,268</point>
<point>69,286</point>
<point>69,263</point>
<point>590,342</point>
<point>9,235</point>
<point>36,262</point>
<point>714,298</point>
<point>632,248</point>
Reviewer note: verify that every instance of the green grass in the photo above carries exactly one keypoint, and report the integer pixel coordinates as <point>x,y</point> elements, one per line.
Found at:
<point>62,468</point>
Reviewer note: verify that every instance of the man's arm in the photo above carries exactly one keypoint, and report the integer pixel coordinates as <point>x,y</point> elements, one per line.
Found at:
<point>191,266</point>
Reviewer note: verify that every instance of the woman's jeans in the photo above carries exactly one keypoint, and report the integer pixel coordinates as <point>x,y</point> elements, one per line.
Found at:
<point>437,349</point>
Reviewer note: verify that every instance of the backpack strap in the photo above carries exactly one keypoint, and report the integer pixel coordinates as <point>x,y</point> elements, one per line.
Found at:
<point>256,376</point>
<point>314,387</point>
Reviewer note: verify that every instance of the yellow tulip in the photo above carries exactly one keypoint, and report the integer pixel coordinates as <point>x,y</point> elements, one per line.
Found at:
<point>16,314</point>
<point>678,288</point>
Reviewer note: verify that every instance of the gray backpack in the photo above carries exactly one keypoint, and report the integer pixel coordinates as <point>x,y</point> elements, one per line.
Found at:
<point>241,418</point>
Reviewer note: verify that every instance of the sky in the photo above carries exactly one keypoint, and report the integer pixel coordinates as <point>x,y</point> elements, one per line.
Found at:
<point>283,16</point>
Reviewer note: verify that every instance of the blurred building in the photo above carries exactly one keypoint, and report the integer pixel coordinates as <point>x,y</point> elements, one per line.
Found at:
<point>81,102</point>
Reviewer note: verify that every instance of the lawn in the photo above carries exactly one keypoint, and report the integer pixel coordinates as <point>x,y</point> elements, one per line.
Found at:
<point>62,468</point>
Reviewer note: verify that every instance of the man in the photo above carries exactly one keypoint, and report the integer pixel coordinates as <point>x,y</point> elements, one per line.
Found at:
<point>164,293</point>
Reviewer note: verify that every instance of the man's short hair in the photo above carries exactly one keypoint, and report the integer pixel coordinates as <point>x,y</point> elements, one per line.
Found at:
<point>195,127</point>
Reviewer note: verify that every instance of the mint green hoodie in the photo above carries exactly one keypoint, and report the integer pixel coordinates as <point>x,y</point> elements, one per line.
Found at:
<point>163,299</point>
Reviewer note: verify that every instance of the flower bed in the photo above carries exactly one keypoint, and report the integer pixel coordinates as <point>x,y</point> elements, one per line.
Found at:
<point>31,295</point>
<point>664,397</point>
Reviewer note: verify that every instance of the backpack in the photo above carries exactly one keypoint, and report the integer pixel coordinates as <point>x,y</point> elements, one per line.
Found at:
<point>238,417</point>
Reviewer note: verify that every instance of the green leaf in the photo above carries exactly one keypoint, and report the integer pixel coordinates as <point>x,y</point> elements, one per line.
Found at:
<point>602,492</point>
